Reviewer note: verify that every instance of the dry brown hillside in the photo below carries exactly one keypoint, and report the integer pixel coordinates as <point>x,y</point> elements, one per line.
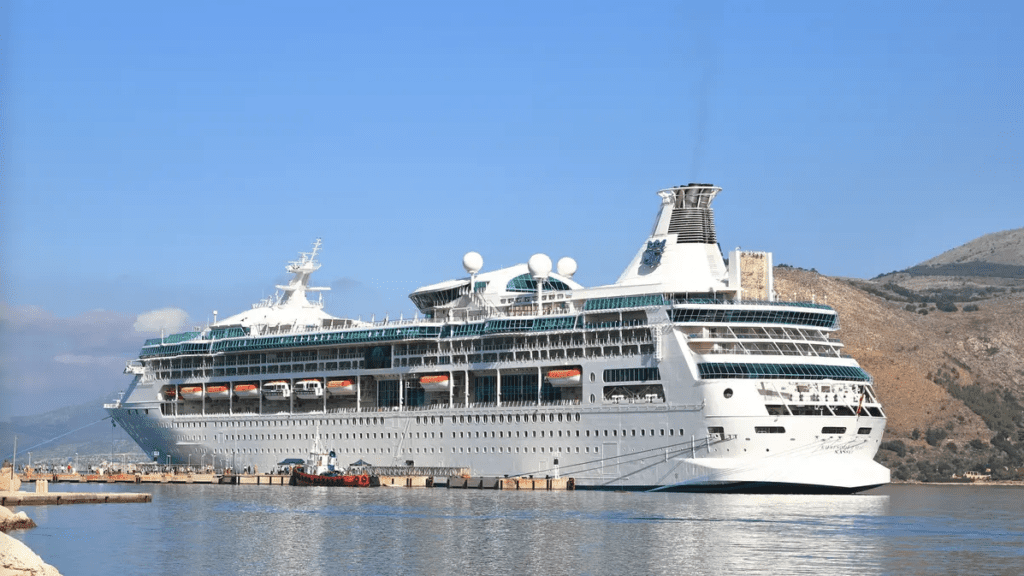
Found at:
<point>913,358</point>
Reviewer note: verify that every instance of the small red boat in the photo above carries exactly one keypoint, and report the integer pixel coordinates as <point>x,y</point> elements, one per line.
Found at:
<point>321,469</point>
<point>329,479</point>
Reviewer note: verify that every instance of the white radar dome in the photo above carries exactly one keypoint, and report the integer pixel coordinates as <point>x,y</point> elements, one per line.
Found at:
<point>566,267</point>
<point>539,265</point>
<point>472,262</point>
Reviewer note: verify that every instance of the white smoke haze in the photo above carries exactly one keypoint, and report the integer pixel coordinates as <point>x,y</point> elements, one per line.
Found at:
<point>169,320</point>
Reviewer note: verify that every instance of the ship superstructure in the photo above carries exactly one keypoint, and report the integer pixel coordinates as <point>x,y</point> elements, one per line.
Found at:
<point>687,374</point>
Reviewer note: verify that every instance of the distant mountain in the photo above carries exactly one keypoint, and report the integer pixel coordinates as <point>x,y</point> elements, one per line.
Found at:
<point>980,269</point>
<point>56,436</point>
<point>1005,248</point>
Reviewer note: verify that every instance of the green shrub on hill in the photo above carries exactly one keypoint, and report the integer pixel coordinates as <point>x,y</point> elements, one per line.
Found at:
<point>935,435</point>
<point>896,446</point>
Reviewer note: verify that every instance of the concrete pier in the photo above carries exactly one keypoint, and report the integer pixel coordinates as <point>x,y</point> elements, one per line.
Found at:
<point>47,498</point>
<point>394,478</point>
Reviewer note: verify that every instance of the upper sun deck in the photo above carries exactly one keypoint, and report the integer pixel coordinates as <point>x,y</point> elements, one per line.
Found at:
<point>577,314</point>
<point>679,268</point>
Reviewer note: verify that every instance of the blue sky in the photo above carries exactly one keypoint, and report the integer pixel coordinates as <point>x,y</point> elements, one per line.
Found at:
<point>176,155</point>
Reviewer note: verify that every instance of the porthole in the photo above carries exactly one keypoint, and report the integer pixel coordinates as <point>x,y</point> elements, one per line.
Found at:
<point>592,397</point>
<point>592,378</point>
<point>727,393</point>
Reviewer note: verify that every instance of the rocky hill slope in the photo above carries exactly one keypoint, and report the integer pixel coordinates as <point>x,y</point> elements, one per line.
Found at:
<point>952,383</point>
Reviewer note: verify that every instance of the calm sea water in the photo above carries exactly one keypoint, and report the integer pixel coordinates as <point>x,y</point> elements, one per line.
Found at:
<point>203,529</point>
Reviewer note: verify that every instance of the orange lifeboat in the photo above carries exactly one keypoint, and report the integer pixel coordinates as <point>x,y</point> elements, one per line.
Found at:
<point>435,383</point>
<point>564,377</point>
<point>341,388</point>
<point>192,392</point>
<point>218,392</point>
<point>247,391</point>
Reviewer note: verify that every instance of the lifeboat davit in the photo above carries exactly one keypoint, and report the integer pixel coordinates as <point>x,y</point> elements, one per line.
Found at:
<point>192,392</point>
<point>218,392</point>
<point>438,383</point>
<point>310,389</point>
<point>277,390</point>
<point>247,391</point>
<point>567,377</point>
<point>341,388</point>
<point>171,395</point>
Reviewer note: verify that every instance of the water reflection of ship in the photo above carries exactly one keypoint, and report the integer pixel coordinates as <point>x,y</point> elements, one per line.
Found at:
<point>752,533</point>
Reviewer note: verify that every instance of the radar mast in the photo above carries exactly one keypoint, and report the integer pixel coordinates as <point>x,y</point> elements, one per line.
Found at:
<point>295,292</point>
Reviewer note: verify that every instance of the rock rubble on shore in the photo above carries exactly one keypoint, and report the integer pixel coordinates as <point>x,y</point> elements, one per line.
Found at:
<point>16,559</point>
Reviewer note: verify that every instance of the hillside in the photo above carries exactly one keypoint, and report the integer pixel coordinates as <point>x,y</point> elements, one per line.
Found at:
<point>951,383</point>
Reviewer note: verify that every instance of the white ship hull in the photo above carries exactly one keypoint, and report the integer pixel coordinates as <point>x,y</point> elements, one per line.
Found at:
<point>669,462</point>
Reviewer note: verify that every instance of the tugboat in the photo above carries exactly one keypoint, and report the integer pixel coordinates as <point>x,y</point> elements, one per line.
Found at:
<point>321,469</point>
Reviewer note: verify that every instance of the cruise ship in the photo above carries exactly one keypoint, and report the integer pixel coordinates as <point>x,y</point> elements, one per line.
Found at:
<point>685,374</point>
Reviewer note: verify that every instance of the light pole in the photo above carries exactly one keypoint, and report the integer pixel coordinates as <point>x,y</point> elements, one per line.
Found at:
<point>76,462</point>
<point>190,461</point>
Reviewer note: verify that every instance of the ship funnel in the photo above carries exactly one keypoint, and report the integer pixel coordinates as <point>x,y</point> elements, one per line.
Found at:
<point>692,219</point>
<point>682,253</point>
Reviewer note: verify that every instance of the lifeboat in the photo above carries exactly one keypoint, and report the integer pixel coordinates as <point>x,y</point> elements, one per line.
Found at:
<point>218,392</point>
<point>192,392</point>
<point>277,390</point>
<point>247,391</point>
<point>171,395</point>
<point>566,377</point>
<point>310,389</point>
<point>341,388</point>
<point>438,383</point>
